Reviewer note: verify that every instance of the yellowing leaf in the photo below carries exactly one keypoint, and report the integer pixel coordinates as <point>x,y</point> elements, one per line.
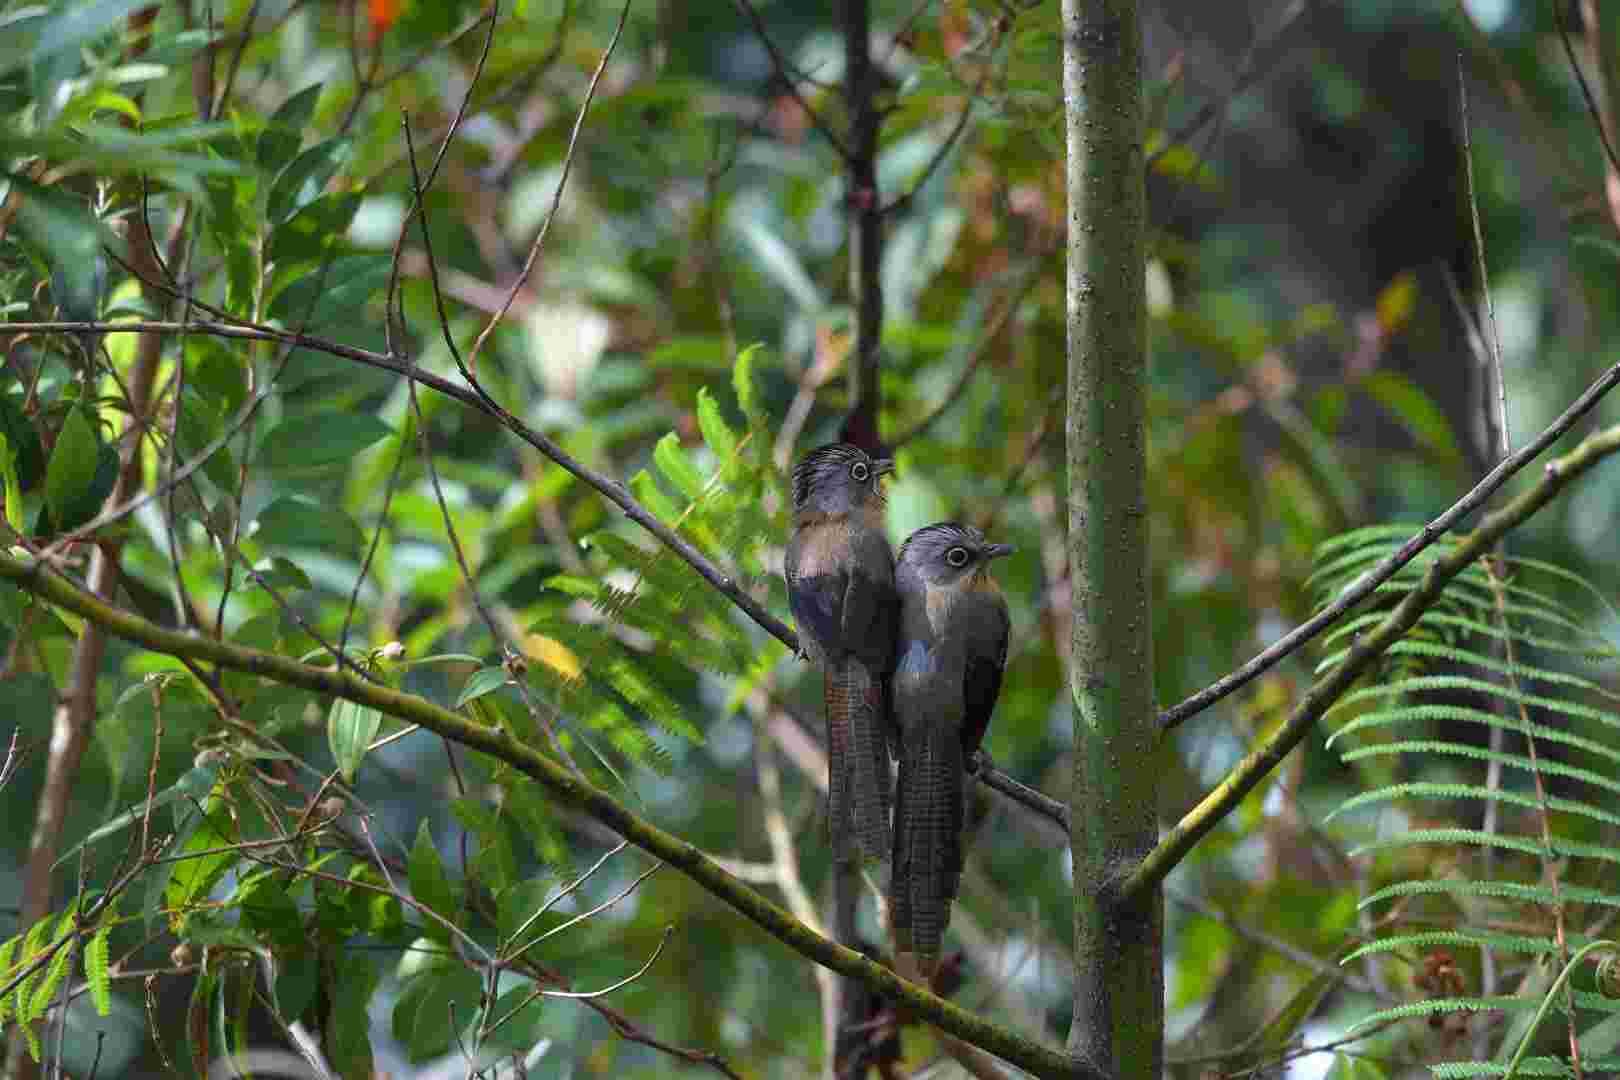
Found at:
<point>554,654</point>
<point>1397,302</point>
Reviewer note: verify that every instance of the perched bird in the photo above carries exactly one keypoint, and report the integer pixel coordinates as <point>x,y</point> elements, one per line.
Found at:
<point>840,578</point>
<point>949,658</point>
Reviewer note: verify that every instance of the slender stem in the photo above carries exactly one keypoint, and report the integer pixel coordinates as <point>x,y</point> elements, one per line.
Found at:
<point>1369,582</point>
<point>1259,762</point>
<point>38,578</point>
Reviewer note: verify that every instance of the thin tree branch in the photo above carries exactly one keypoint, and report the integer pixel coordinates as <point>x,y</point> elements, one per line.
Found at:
<point>38,578</point>
<point>1259,762</point>
<point>788,74</point>
<point>556,196</point>
<point>615,492</point>
<point>1387,569</point>
<point>1249,72</point>
<point>959,385</point>
<point>1592,107</point>
<point>1314,964</point>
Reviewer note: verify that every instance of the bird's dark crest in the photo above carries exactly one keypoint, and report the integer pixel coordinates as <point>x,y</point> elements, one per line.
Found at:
<point>831,460</point>
<point>932,541</point>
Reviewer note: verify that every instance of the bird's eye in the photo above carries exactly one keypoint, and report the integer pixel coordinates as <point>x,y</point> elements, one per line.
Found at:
<point>860,472</point>
<point>957,556</point>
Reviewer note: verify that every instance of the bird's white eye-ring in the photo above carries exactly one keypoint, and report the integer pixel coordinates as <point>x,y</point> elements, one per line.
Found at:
<point>957,556</point>
<point>860,471</point>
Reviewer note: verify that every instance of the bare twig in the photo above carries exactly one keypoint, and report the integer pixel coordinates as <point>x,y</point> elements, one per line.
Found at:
<point>615,491</point>
<point>1276,944</point>
<point>1498,445</point>
<point>1364,586</point>
<point>556,196</point>
<point>34,576</point>
<point>1249,72</point>
<point>1592,107</point>
<point>788,75</point>
<point>1264,757</point>
<point>959,385</point>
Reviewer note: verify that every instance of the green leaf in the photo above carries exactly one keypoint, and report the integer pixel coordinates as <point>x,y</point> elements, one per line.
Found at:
<point>28,453</point>
<point>268,911</point>
<point>482,682</point>
<point>283,133</point>
<point>336,294</point>
<point>298,521</point>
<point>350,727</point>
<point>295,983</point>
<point>742,384</point>
<point>283,575</point>
<point>7,948</point>
<point>430,885</point>
<point>1280,1031</point>
<point>320,438</point>
<point>433,1005</point>
<point>10,488</point>
<point>97,969</point>
<point>75,24</point>
<point>495,863</point>
<point>315,229</point>
<point>72,468</point>
<point>55,972</point>
<point>348,1037</point>
<point>193,786</point>
<point>716,432</point>
<point>195,873</point>
<point>302,180</point>
<point>677,467</point>
<point>1417,412</point>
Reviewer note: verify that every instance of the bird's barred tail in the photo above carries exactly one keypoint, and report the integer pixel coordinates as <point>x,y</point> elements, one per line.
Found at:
<point>857,762</point>
<point>928,813</point>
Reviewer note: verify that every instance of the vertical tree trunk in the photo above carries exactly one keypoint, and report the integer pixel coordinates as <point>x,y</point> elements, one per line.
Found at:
<point>865,227</point>
<point>1118,997</point>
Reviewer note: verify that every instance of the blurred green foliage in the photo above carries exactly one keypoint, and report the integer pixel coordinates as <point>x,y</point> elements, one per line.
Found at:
<point>1310,373</point>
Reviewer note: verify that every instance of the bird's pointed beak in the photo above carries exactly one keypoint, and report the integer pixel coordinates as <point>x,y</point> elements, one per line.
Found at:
<point>996,551</point>
<point>883,466</point>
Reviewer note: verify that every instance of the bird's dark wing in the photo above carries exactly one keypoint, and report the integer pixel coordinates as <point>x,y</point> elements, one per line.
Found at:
<point>817,603</point>
<point>981,674</point>
<point>871,608</point>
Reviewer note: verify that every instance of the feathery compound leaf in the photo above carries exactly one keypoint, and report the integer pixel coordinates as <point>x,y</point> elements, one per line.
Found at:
<point>97,969</point>
<point>716,432</point>
<point>1469,939</point>
<point>677,467</point>
<point>7,971</point>
<point>628,679</point>
<point>33,945</point>
<point>46,990</point>
<point>742,384</point>
<point>1483,658</point>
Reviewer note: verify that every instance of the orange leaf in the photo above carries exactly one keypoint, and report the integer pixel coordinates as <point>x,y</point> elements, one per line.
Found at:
<point>382,14</point>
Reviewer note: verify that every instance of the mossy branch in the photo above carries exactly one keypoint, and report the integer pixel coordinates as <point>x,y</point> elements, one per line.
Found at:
<point>33,576</point>
<point>1259,762</point>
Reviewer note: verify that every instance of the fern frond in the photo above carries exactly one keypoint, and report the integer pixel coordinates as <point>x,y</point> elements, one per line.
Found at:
<point>1424,683</point>
<point>1517,761</point>
<point>1466,714</point>
<point>1533,1066</point>
<point>1468,939</point>
<point>1500,841</point>
<point>1434,791</point>
<point>1497,890</point>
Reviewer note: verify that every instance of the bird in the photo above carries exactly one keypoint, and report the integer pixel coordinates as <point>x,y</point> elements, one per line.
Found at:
<point>949,658</point>
<point>840,579</point>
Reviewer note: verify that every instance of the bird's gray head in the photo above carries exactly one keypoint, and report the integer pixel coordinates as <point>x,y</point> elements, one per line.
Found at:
<point>837,478</point>
<point>947,553</point>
